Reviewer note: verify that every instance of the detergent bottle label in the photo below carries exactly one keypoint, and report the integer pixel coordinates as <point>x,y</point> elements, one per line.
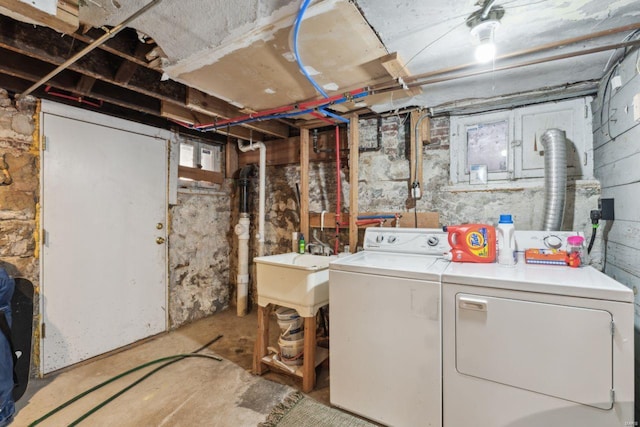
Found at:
<point>472,242</point>
<point>477,242</point>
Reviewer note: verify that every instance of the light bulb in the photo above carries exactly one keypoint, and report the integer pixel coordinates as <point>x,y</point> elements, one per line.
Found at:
<point>483,33</point>
<point>485,52</point>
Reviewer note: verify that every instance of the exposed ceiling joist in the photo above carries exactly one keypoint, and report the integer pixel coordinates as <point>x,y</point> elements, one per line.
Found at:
<point>110,77</point>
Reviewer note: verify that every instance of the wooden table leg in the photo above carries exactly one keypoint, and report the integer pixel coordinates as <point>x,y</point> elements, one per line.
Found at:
<point>262,340</point>
<point>309,362</point>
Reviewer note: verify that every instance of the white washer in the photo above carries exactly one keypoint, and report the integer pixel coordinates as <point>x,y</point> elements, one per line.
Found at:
<point>385,327</point>
<point>536,345</point>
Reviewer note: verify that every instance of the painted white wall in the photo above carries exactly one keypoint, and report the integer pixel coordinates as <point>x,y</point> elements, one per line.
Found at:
<point>617,156</point>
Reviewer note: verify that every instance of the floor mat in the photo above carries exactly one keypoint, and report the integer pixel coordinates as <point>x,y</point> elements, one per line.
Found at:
<point>299,411</point>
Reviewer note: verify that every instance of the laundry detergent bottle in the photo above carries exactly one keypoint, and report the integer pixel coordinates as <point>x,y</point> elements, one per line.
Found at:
<point>472,242</point>
<point>506,241</point>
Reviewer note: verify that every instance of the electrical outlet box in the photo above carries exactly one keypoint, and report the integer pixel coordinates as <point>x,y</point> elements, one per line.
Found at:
<point>606,209</point>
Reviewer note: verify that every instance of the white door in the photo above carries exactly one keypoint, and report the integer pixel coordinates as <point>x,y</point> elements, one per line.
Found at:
<point>104,224</point>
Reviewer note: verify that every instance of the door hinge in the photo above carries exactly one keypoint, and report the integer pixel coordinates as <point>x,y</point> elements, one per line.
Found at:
<point>613,328</point>
<point>44,143</point>
<point>44,236</point>
<point>586,111</point>
<point>612,393</point>
<point>43,330</point>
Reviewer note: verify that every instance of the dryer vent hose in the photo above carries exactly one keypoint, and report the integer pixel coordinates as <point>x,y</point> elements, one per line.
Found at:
<point>555,178</point>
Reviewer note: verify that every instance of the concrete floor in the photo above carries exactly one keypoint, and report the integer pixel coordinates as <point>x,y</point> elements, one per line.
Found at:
<point>190,392</point>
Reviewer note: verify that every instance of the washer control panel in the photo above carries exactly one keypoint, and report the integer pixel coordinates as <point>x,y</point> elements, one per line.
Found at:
<point>423,241</point>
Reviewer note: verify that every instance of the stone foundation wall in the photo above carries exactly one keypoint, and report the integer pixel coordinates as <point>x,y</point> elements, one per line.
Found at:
<point>198,256</point>
<point>19,188</point>
<point>19,197</point>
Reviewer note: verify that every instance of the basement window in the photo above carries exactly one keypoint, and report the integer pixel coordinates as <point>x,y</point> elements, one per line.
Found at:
<point>506,146</point>
<point>200,164</point>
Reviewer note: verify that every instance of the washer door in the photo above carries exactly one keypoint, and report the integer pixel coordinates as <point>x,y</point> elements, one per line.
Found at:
<point>556,350</point>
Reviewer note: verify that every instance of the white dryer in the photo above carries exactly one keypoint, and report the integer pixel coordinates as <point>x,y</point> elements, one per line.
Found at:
<point>385,327</point>
<point>536,345</point>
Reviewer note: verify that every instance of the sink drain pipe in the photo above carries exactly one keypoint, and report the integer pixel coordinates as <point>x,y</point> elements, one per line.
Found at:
<point>555,178</point>
<point>242,228</point>
<point>242,231</point>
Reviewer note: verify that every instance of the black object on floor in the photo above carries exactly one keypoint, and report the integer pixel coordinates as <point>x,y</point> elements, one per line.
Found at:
<point>22,332</point>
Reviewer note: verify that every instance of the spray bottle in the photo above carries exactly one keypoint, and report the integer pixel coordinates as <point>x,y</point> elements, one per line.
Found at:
<point>301,244</point>
<point>472,242</point>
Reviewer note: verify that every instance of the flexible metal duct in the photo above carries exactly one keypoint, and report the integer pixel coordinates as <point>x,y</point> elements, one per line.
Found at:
<point>554,142</point>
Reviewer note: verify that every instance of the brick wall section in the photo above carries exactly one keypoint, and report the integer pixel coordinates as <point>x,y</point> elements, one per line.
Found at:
<point>440,131</point>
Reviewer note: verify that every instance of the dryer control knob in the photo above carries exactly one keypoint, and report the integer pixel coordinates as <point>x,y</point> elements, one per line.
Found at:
<point>433,240</point>
<point>379,238</point>
<point>392,239</point>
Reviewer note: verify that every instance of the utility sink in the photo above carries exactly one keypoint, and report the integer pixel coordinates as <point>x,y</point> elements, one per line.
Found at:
<point>299,281</point>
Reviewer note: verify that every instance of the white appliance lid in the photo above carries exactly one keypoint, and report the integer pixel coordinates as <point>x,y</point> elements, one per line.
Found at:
<point>410,266</point>
<point>585,282</point>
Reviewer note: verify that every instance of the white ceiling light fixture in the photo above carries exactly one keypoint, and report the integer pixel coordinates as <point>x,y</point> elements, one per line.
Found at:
<point>483,34</point>
<point>483,24</point>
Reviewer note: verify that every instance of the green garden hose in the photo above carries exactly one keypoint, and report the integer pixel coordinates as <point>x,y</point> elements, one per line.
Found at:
<point>169,361</point>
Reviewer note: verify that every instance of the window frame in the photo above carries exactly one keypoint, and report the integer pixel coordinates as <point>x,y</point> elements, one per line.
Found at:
<point>196,176</point>
<point>580,135</point>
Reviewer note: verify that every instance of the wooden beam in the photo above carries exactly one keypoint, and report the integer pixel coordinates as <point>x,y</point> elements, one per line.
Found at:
<point>416,155</point>
<point>119,45</point>
<point>30,69</point>
<point>85,84</point>
<point>397,69</point>
<point>46,45</point>
<point>65,20</point>
<point>354,143</point>
<point>424,220</point>
<point>182,114</point>
<point>287,151</point>
<point>315,220</point>
<point>207,104</point>
<point>231,157</point>
<point>406,219</point>
<point>200,175</point>
<point>127,68</point>
<point>304,182</point>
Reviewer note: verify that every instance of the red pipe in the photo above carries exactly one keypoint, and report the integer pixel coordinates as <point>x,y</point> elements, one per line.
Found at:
<point>78,99</point>
<point>339,187</point>
<point>321,117</point>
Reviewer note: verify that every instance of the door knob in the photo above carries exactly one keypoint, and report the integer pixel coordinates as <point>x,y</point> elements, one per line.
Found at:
<point>160,240</point>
